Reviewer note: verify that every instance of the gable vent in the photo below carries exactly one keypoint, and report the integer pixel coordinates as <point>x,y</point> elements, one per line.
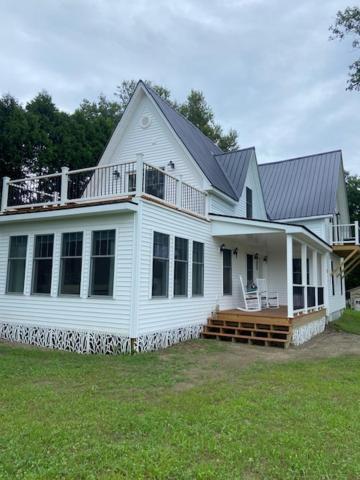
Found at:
<point>145,121</point>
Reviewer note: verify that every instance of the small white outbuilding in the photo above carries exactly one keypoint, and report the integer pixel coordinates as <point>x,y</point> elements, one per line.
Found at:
<point>355,298</point>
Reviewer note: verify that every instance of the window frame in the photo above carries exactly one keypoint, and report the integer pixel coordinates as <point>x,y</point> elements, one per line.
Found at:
<point>9,259</point>
<point>181,261</point>
<point>202,264</point>
<point>91,269</point>
<point>35,259</point>
<point>249,202</point>
<point>167,259</point>
<point>62,257</point>
<point>230,292</point>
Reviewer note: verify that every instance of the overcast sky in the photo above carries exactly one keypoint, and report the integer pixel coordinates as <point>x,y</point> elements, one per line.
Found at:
<point>266,67</point>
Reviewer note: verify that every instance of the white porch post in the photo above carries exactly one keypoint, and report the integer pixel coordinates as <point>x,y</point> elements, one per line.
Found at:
<point>315,275</point>
<point>5,193</point>
<point>139,173</point>
<point>304,273</point>
<point>179,192</point>
<point>289,275</point>
<point>325,262</point>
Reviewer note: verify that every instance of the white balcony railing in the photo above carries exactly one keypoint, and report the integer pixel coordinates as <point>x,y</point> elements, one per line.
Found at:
<point>96,183</point>
<point>345,234</point>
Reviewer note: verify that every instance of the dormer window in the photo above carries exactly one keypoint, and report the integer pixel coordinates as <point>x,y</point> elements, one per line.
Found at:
<point>249,204</point>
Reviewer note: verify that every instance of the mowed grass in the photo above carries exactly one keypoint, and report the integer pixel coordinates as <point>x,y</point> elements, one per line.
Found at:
<point>178,414</point>
<point>349,322</point>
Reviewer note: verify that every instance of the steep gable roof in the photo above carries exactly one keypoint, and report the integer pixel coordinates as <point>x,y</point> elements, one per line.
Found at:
<point>301,187</point>
<point>235,165</point>
<point>200,147</point>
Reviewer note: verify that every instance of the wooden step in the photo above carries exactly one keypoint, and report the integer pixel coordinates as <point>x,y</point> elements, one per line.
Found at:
<point>242,329</point>
<point>249,326</point>
<point>248,339</point>
<point>230,317</point>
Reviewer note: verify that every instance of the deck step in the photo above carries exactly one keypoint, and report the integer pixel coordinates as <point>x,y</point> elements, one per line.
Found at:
<point>246,325</point>
<point>246,331</point>
<point>248,339</point>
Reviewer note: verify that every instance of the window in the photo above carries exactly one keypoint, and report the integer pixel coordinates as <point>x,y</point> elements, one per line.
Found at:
<point>227,272</point>
<point>160,273</point>
<point>16,264</point>
<point>332,278</point>
<point>70,268</point>
<point>43,259</point>
<point>181,267</point>
<point>249,204</point>
<point>198,269</point>
<point>250,269</point>
<point>102,263</point>
<point>297,274</point>
<point>154,182</point>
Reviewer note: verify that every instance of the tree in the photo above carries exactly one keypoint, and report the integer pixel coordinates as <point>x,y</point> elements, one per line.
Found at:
<point>348,23</point>
<point>13,134</point>
<point>353,194</point>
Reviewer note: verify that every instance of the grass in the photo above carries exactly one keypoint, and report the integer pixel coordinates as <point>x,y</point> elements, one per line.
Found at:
<point>177,414</point>
<point>349,322</point>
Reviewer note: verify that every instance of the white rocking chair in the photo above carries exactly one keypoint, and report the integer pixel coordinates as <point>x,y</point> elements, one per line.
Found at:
<point>267,299</point>
<point>251,299</point>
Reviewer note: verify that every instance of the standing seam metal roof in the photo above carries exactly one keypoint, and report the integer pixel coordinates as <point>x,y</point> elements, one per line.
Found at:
<point>201,148</point>
<point>301,187</point>
<point>235,165</point>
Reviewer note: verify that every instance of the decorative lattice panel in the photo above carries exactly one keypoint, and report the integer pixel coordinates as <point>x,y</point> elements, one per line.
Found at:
<point>305,332</point>
<point>164,339</point>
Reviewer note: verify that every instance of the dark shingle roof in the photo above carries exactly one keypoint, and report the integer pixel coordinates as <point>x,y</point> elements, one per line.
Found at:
<point>235,165</point>
<point>301,187</point>
<point>200,147</point>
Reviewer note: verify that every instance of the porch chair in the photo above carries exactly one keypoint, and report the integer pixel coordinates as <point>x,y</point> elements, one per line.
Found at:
<point>251,299</point>
<point>267,299</point>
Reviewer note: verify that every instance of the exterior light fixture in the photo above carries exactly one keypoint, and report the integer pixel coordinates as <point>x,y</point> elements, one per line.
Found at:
<point>235,252</point>
<point>116,174</point>
<point>171,165</point>
<point>222,247</point>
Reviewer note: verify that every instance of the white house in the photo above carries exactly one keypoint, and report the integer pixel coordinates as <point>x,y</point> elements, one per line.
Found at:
<point>139,252</point>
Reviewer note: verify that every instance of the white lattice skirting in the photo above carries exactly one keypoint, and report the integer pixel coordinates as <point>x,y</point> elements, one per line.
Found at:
<point>305,332</point>
<point>95,342</point>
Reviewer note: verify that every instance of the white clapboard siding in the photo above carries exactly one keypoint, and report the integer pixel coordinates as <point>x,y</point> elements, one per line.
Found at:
<point>157,143</point>
<point>67,312</point>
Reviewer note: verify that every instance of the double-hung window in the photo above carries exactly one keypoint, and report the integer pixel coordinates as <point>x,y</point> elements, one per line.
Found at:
<point>43,261</point>
<point>71,260</point>
<point>198,269</point>
<point>249,203</point>
<point>227,272</point>
<point>250,269</point>
<point>160,267</point>
<point>16,264</point>
<point>181,258</point>
<point>102,263</point>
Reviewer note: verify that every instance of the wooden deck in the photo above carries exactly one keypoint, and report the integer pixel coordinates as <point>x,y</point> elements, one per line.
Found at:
<point>269,327</point>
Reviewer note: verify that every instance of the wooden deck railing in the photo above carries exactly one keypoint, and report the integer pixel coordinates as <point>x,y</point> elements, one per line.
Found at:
<point>107,181</point>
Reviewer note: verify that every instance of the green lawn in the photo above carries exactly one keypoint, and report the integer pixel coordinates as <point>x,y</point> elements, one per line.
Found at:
<point>349,322</point>
<point>179,414</point>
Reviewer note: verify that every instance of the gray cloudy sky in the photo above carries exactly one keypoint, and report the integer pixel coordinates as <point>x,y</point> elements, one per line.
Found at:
<point>265,66</point>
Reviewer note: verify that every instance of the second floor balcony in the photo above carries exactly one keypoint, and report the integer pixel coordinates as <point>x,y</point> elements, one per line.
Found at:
<point>102,183</point>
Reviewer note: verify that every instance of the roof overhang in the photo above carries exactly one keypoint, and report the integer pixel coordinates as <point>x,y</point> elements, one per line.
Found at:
<point>61,214</point>
<point>232,226</point>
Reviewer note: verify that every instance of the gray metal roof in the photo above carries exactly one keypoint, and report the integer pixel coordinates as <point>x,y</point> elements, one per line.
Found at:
<point>200,147</point>
<point>235,165</point>
<point>301,187</point>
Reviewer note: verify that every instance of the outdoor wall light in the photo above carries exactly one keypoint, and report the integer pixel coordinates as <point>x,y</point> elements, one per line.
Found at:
<point>265,259</point>
<point>256,256</point>
<point>222,247</point>
<point>171,165</point>
<point>116,174</point>
<point>235,252</point>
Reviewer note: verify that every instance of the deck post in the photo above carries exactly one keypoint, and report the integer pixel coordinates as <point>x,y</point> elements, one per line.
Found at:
<point>325,262</point>
<point>304,274</point>
<point>139,173</point>
<point>64,185</point>
<point>356,224</point>
<point>5,193</point>
<point>289,275</point>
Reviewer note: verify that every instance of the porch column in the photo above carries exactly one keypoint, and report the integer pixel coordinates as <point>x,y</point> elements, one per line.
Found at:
<point>139,173</point>
<point>315,281</point>
<point>304,273</point>
<point>325,262</point>
<point>289,275</point>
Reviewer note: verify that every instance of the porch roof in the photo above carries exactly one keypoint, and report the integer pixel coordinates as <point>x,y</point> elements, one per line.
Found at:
<point>223,225</point>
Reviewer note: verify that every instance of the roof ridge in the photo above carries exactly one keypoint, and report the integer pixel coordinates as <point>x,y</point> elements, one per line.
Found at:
<point>183,116</point>
<point>301,158</point>
<point>234,151</point>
